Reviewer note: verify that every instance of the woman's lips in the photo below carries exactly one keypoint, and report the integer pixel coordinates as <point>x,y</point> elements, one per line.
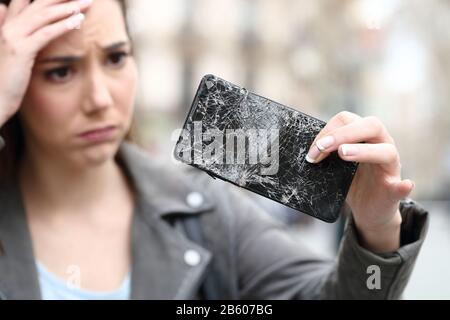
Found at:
<point>99,135</point>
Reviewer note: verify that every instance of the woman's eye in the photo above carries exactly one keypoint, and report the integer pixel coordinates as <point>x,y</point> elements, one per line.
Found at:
<point>117,58</point>
<point>60,74</point>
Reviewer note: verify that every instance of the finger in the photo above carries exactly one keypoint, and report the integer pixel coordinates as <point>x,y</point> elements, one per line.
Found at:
<point>48,2</point>
<point>368,129</point>
<point>37,6</point>
<point>384,154</point>
<point>380,153</point>
<point>16,7</point>
<point>341,119</point>
<point>45,35</point>
<point>3,10</point>
<point>32,21</point>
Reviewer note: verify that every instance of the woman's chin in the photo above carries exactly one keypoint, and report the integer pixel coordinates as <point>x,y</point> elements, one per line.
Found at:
<point>98,154</point>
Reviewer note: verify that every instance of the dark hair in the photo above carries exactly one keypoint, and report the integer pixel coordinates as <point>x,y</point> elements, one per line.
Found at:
<point>12,132</point>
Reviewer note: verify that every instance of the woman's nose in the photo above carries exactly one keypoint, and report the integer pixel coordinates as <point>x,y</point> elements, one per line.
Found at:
<point>98,94</point>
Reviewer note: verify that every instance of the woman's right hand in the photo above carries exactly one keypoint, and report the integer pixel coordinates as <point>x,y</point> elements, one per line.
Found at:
<point>25,29</point>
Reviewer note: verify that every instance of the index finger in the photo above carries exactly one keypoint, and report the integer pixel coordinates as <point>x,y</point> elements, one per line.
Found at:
<point>315,154</point>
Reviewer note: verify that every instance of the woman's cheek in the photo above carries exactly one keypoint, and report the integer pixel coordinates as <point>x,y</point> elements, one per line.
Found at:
<point>46,112</point>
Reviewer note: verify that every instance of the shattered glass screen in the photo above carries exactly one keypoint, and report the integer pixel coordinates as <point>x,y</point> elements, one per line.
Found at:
<point>260,145</point>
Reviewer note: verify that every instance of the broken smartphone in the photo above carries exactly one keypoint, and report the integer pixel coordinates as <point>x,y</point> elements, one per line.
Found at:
<point>260,145</point>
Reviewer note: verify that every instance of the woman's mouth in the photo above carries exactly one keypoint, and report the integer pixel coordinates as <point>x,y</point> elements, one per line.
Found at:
<point>99,135</point>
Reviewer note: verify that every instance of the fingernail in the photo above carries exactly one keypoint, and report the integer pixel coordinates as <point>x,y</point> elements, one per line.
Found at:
<point>313,154</point>
<point>74,21</point>
<point>324,143</point>
<point>320,146</point>
<point>85,2</point>
<point>349,150</point>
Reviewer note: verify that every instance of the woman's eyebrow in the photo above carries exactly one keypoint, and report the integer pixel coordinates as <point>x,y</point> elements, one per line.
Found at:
<point>61,59</point>
<point>116,45</point>
<point>70,59</point>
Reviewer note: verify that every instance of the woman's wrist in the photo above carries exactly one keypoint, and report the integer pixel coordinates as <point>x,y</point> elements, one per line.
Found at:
<point>381,239</point>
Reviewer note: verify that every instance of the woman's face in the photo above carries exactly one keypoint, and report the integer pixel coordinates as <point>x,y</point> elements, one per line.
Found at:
<point>82,81</point>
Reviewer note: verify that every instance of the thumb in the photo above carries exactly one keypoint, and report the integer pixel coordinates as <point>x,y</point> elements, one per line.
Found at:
<point>404,188</point>
<point>3,10</point>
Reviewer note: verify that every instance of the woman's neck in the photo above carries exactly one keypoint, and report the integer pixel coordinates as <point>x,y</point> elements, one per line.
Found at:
<point>53,183</point>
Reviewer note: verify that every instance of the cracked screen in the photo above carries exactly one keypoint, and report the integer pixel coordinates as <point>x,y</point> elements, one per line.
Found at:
<point>260,145</point>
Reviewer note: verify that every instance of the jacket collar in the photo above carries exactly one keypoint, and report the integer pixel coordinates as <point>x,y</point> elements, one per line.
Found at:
<point>160,268</point>
<point>163,187</point>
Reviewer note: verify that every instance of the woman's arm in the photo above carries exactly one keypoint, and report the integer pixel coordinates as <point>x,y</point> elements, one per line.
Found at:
<point>273,265</point>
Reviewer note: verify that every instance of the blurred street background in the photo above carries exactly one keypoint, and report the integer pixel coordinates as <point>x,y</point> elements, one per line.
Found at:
<point>387,58</point>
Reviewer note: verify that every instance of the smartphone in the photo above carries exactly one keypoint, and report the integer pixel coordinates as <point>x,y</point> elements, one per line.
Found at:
<point>260,145</point>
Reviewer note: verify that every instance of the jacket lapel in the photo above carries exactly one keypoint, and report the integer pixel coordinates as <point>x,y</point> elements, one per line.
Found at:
<point>161,269</point>
<point>18,275</point>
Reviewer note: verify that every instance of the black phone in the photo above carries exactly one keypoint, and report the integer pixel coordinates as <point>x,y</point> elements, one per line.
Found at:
<point>260,145</point>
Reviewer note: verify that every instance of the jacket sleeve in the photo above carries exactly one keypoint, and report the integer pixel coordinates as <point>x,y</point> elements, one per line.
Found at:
<point>272,265</point>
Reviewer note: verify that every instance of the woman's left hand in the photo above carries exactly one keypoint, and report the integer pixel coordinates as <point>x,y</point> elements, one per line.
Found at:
<point>377,187</point>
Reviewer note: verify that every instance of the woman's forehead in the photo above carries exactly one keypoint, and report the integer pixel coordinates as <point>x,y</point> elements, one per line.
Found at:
<point>103,26</point>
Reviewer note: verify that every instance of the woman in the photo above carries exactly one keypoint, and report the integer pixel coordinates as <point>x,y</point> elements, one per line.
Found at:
<point>85,214</point>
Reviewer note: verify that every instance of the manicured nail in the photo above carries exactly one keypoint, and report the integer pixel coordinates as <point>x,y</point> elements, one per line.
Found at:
<point>313,154</point>
<point>320,146</point>
<point>324,143</point>
<point>349,150</point>
<point>74,21</point>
